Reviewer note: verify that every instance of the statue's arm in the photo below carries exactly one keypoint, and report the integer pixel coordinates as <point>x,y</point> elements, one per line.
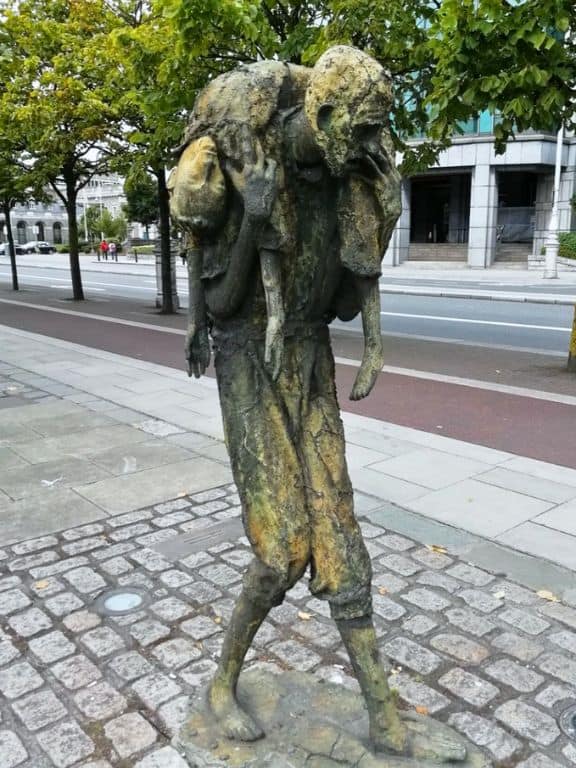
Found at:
<point>272,282</point>
<point>197,341</point>
<point>373,357</point>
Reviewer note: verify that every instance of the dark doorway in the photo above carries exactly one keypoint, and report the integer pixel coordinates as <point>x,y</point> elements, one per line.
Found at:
<point>440,209</point>
<point>516,206</point>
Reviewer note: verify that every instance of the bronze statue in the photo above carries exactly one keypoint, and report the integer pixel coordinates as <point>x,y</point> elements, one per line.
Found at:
<point>288,194</point>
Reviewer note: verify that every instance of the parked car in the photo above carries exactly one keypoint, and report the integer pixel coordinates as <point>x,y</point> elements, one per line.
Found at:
<point>38,246</point>
<point>4,251</point>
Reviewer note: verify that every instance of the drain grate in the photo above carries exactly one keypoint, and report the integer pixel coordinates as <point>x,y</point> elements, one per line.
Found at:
<point>567,722</point>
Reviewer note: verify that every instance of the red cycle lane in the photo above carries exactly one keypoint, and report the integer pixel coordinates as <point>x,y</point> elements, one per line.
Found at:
<point>539,429</point>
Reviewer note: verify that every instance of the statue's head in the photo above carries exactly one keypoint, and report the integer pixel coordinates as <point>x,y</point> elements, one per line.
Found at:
<point>347,104</point>
<point>197,188</point>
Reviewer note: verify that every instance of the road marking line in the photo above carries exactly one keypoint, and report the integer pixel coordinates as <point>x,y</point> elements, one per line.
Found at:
<point>476,322</point>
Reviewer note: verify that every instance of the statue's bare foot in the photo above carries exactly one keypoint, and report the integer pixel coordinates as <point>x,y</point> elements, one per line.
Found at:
<point>372,363</point>
<point>235,723</point>
<point>412,743</point>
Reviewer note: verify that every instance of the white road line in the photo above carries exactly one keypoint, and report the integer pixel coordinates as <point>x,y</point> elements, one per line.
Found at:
<point>477,322</point>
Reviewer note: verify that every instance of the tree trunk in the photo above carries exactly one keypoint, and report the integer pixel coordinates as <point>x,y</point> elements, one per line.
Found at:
<point>7,208</point>
<point>71,195</point>
<point>164,228</point>
<point>572,350</point>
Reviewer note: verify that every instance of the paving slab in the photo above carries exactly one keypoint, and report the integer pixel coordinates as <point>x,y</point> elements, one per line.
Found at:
<point>41,479</point>
<point>138,456</point>
<point>529,485</point>
<point>432,469</point>
<point>132,491</point>
<point>10,460</point>
<point>479,508</point>
<point>542,541</point>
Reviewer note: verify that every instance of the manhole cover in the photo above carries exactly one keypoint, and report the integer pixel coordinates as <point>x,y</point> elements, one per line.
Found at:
<point>117,602</point>
<point>567,722</point>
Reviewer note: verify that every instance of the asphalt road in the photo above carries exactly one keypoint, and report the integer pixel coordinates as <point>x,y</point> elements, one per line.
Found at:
<point>537,327</point>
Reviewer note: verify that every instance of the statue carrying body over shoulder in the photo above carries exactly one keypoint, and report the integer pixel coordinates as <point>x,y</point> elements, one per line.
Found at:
<point>288,194</point>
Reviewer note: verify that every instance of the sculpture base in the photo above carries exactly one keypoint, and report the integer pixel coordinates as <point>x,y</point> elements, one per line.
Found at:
<point>307,723</point>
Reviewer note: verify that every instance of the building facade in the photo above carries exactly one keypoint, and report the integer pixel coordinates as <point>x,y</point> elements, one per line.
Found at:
<point>479,208</point>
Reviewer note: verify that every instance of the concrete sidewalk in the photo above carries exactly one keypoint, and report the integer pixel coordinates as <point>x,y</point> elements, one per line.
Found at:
<point>113,475</point>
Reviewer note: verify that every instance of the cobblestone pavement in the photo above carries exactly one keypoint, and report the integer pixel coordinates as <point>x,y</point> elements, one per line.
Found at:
<point>492,658</point>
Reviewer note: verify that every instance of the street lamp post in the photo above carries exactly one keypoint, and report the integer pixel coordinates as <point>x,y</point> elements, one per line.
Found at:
<point>552,243</point>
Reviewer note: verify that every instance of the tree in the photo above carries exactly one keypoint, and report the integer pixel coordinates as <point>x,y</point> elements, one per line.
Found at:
<point>141,199</point>
<point>15,187</point>
<point>56,100</point>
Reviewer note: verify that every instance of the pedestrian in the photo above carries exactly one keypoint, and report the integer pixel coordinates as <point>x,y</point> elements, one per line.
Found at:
<point>112,250</point>
<point>104,250</point>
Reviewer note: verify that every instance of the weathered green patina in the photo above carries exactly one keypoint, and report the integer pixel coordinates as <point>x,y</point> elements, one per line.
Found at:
<point>312,199</point>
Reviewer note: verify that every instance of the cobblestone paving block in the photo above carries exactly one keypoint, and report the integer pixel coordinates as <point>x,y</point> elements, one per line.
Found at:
<point>30,622</point>
<point>171,609</point>
<point>51,647</point>
<point>76,672</point>
<point>418,694</point>
<point>116,566</point>
<point>210,495</point>
<point>129,518</point>
<point>12,751</point>
<point>130,734</point>
<point>221,575</point>
<point>39,710</point>
<point>112,550</point>
<point>174,654</point>
<point>19,679</point>
<point>65,744</point>
<point>12,601</point>
<point>136,580</point>
<point>395,542</point>
<point>439,581</point>
<point>559,666</point>
<point>173,519</point>
<point>469,621</point>
<point>470,574</point>
<point>484,733</point>
<point>81,621</point>
<point>155,689</point>
<point>412,655</point>
<point>426,599</point>
<point>460,648</point>
<point>169,507</point>
<point>515,645</point>
<point>130,531</point>
<point>9,582</point>
<point>33,561</point>
<point>102,641</point>
<point>197,559</point>
<point>515,675</point>
<point>539,761</point>
<point>8,652</point>
<point>480,601</point>
<point>569,752</point>
<point>370,531</point>
<point>295,655</point>
<point>528,721</point>
<point>469,687</point>
<point>47,587</point>
<point>565,640</point>
<point>389,582</point>
<point>167,757</point>
<point>386,608</point>
<point>149,631</point>
<point>173,714</point>
<point>100,701</point>
<point>85,545</point>
<point>150,560</point>
<point>514,593</point>
<point>322,635</point>
<point>419,625</point>
<point>130,666</point>
<point>429,558</point>
<point>554,694</point>
<point>174,579</point>
<point>526,622</point>
<point>54,569</point>
<point>92,529</point>
<point>35,545</point>
<point>210,507</point>
<point>560,612</point>
<point>85,580</point>
<point>239,558</point>
<point>400,564</point>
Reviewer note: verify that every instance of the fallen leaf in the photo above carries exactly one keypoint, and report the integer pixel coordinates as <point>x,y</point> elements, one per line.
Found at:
<point>304,616</point>
<point>217,619</point>
<point>382,590</point>
<point>436,548</point>
<point>182,494</point>
<point>546,595</point>
<point>499,595</point>
<point>42,584</point>
<point>422,710</point>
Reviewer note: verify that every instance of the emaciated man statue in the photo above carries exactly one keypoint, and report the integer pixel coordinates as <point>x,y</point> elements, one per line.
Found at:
<point>288,194</point>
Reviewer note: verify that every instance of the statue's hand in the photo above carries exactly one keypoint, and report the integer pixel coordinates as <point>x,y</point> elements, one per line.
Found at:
<point>372,362</point>
<point>256,183</point>
<point>197,350</point>
<point>274,346</point>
